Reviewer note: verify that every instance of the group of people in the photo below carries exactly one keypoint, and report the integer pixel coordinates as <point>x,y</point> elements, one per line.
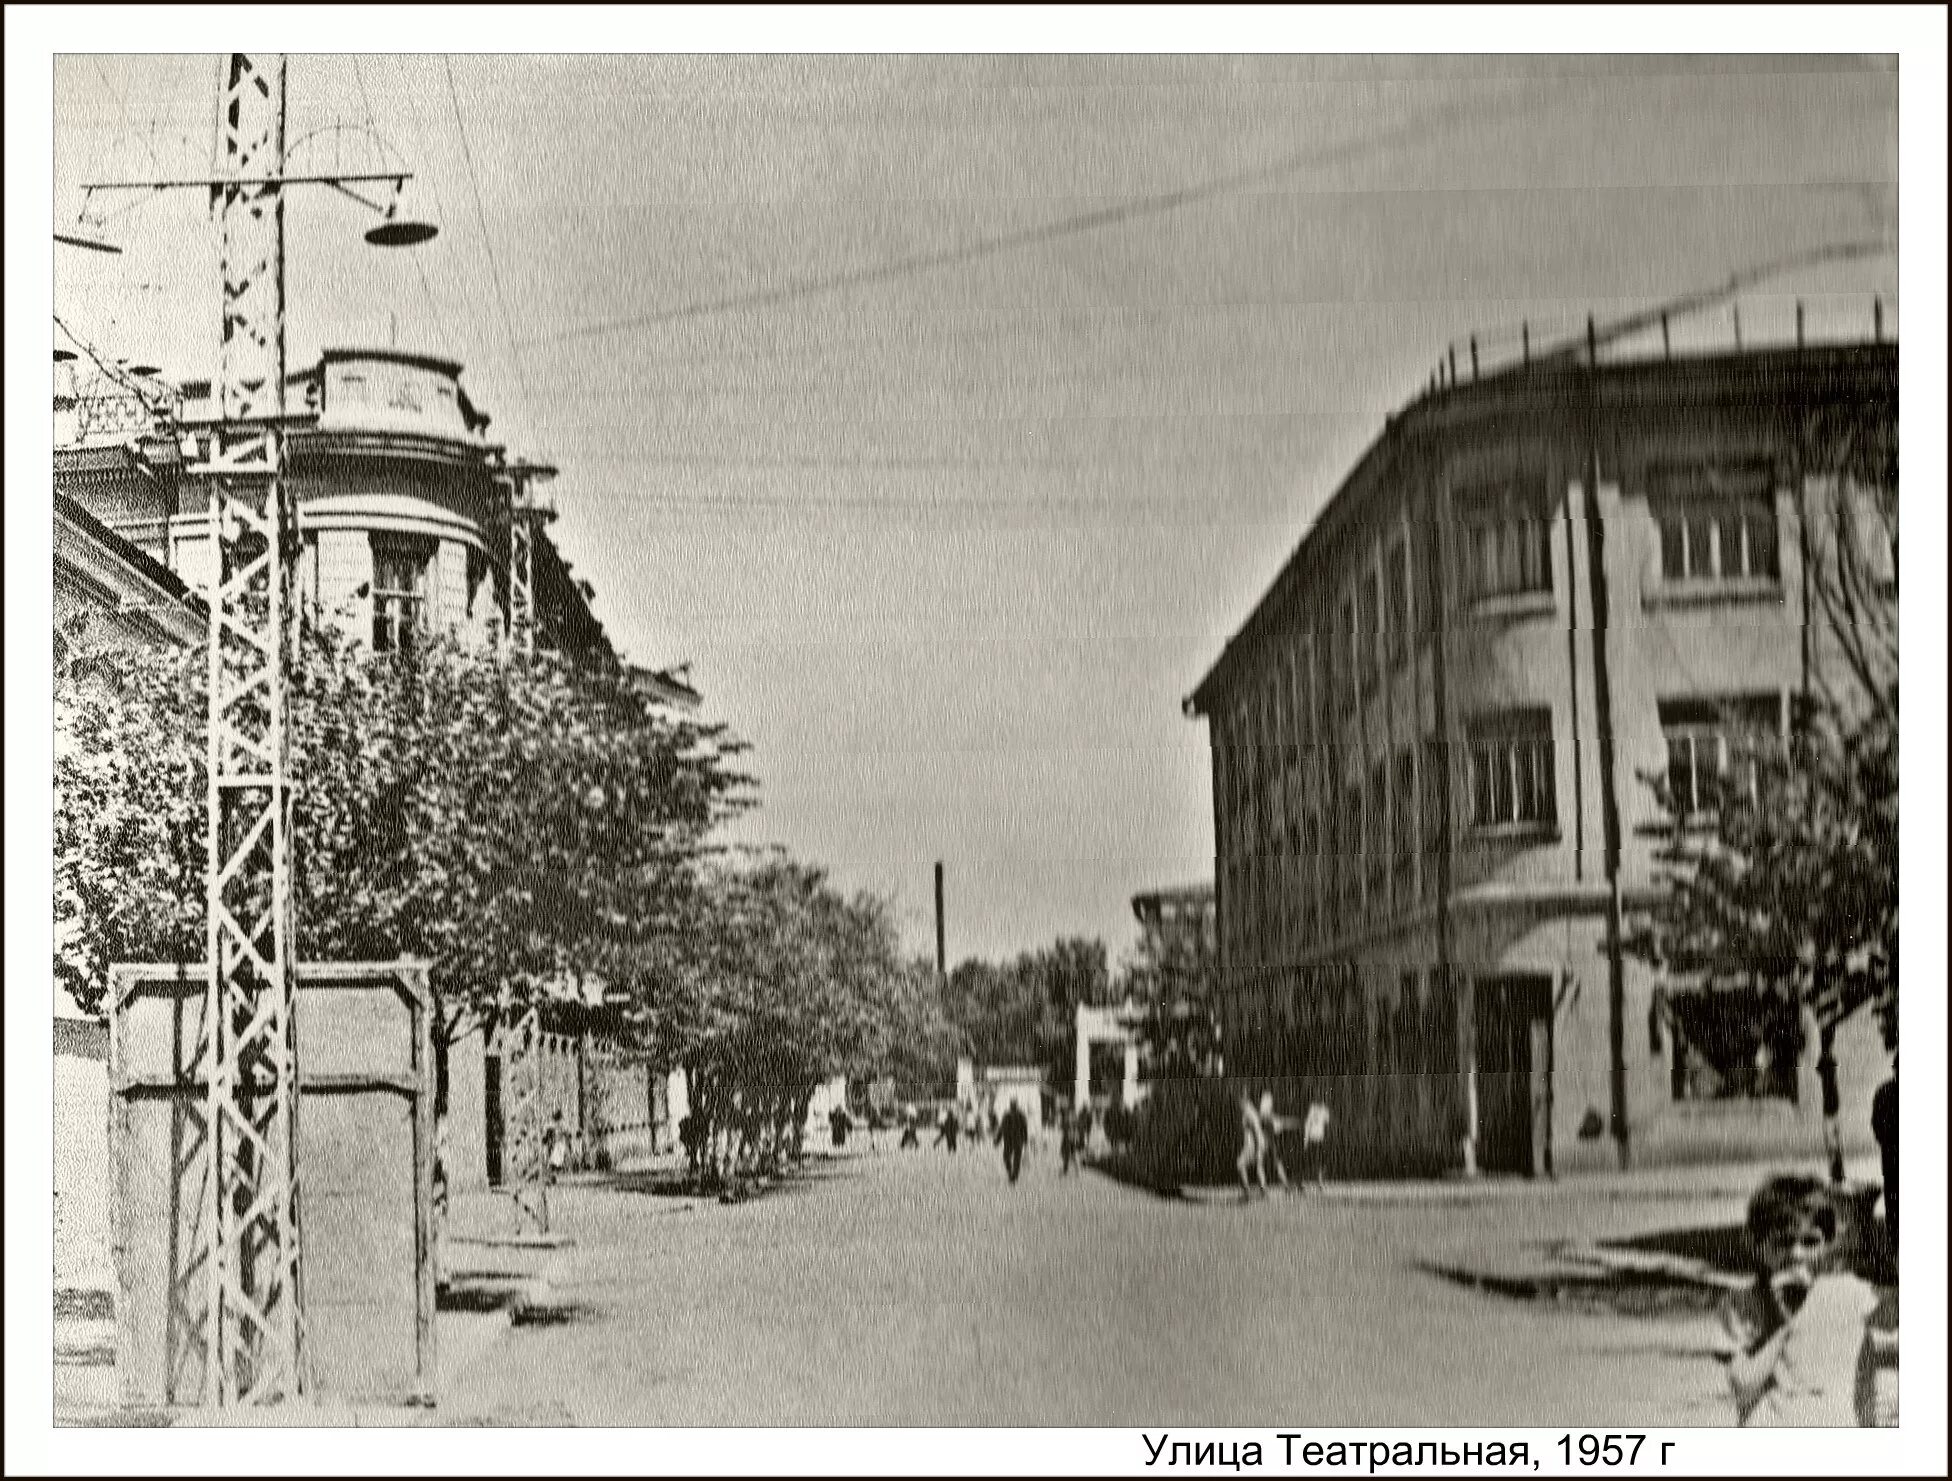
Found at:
<point>1261,1126</point>
<point>1010,1131</point>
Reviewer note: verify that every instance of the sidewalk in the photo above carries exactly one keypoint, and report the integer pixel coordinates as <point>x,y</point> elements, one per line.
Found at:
<point>1686,1182</point>
<point>493,1277</point>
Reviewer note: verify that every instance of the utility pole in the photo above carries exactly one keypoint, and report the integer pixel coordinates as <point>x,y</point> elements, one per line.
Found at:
<point>254,1341</point>
<point>1616,988</point>
<point>249,1232</point>
<point>941,947</point>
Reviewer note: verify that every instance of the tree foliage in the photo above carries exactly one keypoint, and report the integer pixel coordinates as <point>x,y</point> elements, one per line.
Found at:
<point>1024,1011</point>
<point>1789,886</point>
<point>528,828</point>
<point>507,822</point>
<point>1173,977</point>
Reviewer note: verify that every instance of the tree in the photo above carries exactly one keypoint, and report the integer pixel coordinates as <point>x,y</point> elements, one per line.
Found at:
<point>1174,978</point>
<point>1784,886</point>
<point>1024,1011</point>
<point>777,983</point>
<point>513,823</point>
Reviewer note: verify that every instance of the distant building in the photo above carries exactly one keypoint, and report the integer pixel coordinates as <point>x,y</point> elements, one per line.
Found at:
<point>1183,920</point>
<point>992,1088</point>
<point>1410,785</point>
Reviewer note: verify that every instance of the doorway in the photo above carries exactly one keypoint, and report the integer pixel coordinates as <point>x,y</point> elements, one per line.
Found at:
<point>1513,1019</point>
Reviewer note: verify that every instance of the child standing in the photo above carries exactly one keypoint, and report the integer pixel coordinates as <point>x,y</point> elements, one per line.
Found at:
<point>1799,1335</point>
<point>1314,1141</point>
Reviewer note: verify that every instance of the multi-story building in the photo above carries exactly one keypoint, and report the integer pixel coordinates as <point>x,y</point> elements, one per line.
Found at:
<point>404,504</point>
<point>1432,743</point>
<point>405,512</point>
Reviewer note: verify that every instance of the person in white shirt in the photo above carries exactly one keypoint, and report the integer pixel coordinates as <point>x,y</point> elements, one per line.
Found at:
<point>1314,1141</point>
<point>1253,1148</point>
<point>1799,1336</point>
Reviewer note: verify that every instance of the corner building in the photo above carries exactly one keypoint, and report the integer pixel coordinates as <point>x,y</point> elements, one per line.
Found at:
<point>1410,776</point>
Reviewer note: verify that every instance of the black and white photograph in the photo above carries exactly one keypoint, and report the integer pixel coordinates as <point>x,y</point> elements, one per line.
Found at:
<point>1197,742</point>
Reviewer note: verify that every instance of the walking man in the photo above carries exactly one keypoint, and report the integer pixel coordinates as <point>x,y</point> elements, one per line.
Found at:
<point>1013,1134</point>
<point>948,1129</point>
<point>1253,1147</point>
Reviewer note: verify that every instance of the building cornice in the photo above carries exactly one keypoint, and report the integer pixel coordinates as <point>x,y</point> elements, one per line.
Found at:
<point>1561,898</point>
<point>1523,396</point>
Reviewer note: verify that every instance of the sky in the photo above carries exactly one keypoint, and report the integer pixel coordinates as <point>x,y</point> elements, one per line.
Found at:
<point>947,414</point>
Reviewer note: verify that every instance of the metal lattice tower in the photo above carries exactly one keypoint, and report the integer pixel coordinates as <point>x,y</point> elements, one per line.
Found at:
<point>521,576</point>
<point>526,1166</point>
<point>254,1346</point>
<point>528,509</point>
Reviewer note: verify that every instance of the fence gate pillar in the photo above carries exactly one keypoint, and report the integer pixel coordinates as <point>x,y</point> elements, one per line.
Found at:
<point>524,1159</point>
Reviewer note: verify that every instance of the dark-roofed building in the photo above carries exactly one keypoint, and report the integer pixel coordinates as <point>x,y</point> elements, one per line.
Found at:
<point>1476,651</point>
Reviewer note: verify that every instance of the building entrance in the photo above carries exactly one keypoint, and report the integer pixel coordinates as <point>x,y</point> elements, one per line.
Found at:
<point>1513,1019</point>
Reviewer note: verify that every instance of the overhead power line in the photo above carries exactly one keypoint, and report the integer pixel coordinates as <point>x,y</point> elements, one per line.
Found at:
<point>487,242</point>
<point>1051,231</point>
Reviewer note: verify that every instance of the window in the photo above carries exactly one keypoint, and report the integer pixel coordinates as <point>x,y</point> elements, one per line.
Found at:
<point>1375,852</point>
<point>1351,861</point>
<point>1731,1042</point>
<point>1712,746</point>
<point>399,594</point>
<point>1511,771</point>
<point>1404,834</point>
<point>1506,540</point>
<point>1429,551</point>
<point>1396,572</point>
<point>1716,524</point>
<point>1433,800</point>
<point>1369,635</point>
<point>1412,1054</point>
<point>1345,652</point>
<point>1311,851</point>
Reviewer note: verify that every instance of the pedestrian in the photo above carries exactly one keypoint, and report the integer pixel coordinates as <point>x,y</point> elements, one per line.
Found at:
<point>911,1135</point>
<point>1314,1142</point>
<point>1084,1128</point>
<point>1884,1126</point>
<point>839,1123</point>
<point>1253,1147</point>
<point>1798,1338</point>
<point>1067,1144</point>
<point>1013,1134</point>
<point>691,1136</point>
<point>948,1129</point>
<point>556,1147</point>
<point>1272,1125</point>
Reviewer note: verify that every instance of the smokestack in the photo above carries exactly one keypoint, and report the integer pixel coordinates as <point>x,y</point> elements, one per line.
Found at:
<point>941,950</point>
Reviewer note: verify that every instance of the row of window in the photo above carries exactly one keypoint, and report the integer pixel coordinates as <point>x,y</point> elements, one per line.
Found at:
<point>1337,1028</point>
<point>1715,526</point>
<point>1305,863</point>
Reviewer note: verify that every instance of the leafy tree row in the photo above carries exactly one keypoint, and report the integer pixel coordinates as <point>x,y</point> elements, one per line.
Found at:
<point>528,828</point>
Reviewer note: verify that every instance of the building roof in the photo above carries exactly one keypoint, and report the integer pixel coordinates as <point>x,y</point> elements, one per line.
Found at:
<point>1148,903</point>
<point>129,571</point>
<point>1544,387</point>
